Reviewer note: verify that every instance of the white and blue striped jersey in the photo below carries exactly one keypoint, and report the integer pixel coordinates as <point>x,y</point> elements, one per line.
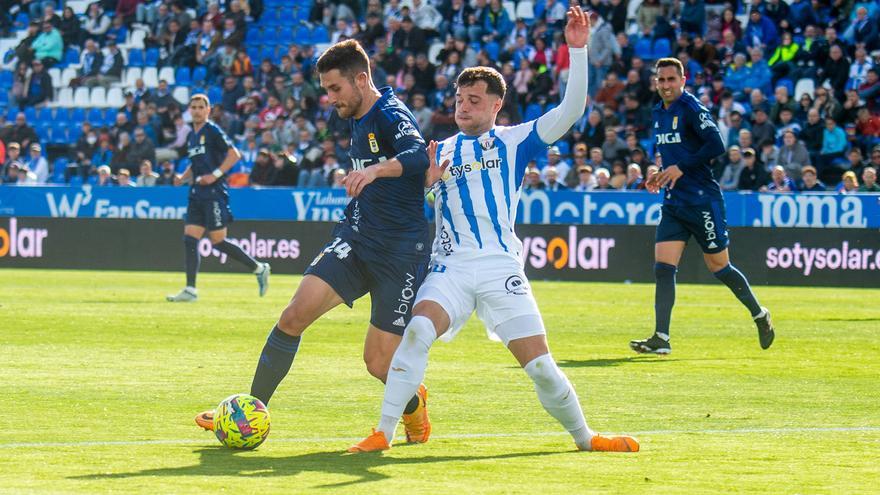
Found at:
<point>477,197</point>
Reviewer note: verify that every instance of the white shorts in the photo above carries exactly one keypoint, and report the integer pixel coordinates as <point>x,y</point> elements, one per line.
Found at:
<point>494,286</point>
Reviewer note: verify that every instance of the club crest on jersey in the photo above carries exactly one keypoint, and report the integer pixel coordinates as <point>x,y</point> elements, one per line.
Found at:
<point>675,122</point>
<point>374,145</point>
<point>668,138</point>
<point>487,144</point>
<point>202,140</point>
<point>405,128</point>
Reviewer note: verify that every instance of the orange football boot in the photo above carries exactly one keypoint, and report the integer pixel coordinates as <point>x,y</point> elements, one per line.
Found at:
<point>614,444</point>
<point>206,420</point>
<point>416,424</point>
<point>373,443</point>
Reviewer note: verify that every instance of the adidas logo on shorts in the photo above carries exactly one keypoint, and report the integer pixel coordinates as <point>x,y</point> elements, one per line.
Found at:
<point>399,322</point>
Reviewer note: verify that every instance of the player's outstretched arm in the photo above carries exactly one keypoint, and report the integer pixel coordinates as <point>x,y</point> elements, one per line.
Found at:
<point>554,124</point>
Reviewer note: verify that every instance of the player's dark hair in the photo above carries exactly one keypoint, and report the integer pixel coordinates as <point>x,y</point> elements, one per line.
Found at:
<point>348,57</point>
<point>200,97</point>
<point>670,62</point>
<point>495,84</point>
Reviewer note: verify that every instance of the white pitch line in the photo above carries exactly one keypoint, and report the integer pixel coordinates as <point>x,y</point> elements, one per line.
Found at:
<point>735,431</point>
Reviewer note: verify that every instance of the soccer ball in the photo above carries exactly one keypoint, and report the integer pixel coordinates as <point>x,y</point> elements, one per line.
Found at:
<point>241,421</point>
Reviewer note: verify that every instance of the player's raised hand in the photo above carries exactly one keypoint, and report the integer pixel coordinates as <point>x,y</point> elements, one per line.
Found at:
<point>577,29</point>
<point>434,172</point>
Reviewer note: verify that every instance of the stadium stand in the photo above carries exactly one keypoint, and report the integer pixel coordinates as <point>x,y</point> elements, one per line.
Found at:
<point>241,52</point>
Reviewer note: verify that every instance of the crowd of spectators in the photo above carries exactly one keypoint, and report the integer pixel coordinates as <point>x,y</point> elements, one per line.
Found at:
<point>794,88</point>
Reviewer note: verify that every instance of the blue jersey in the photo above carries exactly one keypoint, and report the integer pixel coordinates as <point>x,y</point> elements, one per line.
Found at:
<point>207,149</point>
<point>388,216</point>
<point>686,136</point>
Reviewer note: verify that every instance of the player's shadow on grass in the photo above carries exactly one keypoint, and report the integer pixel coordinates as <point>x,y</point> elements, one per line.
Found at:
<point>589,363</point>
<point>220,461</point>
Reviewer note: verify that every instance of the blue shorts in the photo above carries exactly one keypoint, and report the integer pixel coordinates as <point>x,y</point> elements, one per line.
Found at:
<point>392,285</point>
<point>212,214</point>
<point>707,223</point>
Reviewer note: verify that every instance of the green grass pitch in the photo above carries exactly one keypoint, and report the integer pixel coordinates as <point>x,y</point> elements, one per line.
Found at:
<point>102,378</point>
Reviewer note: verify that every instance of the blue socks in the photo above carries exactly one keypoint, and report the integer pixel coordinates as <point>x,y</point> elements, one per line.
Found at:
<point>235,252</point>
<point>736,281</point>
<point>664,297</point>
<point>192,259</point>
<point>275,362</point>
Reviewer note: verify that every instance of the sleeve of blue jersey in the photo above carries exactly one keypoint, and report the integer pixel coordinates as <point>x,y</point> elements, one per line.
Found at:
<point>531,146</point>
<point>403,133</point>
<point>221,139</point>
<point>701,123</point>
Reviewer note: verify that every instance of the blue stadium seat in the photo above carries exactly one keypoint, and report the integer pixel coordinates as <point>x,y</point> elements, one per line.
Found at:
<point>151,57</point>
<point>320,34</point>
<point>789,85</point>
<point>71,57</point>
<point>662,48</point>
<point>253,35</point>
<point>564,147</point>
<point>76,181</point>
<point>59,132</point>
<point>96,117</point>
<point>43,131</point>
<point>5,79</point>
<point>30,114</point>
<point>11,113</point>
<point>643,48</point>
<point>78,114</point>
<point>285,34</point>
<point>303,35</point>
<point>110,117</point>
<point>533,111</point>
<point>199,74</point>
<point>493,49</point>
<point>136,58</point>
<point>62,115</point>
<point>44,114</point>
<point>58,169</point>
<point>215,94</point>
<point>253,52</point>
<point>302,15</point>
<point>268,51</point>
<point>182,76</point>
<point>4,98</point>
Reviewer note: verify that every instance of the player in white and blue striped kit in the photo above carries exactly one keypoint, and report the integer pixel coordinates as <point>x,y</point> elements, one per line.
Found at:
<point>477,263</point>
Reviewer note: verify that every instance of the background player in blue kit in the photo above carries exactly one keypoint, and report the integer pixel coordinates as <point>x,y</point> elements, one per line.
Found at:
<point>212,155</point>
<point>687,139</point>
<point>381,246</point>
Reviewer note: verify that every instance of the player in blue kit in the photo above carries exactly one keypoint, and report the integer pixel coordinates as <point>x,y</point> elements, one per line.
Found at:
<point>212,155</point>
<point>380,247</point>
<point>688,139</point>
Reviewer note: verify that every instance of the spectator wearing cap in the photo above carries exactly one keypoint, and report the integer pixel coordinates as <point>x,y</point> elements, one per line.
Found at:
<point>586,182</point>
<point>810,181</point>
<point>733,168</point>
<point>849,184</point>
<point>760,31</point>
<point>9,169</point>
<point>110,70</point>
<point>533,179</point>
<point>579,159</point>
<point>48,46</point>
<point>603,49</point>
<point>869,180</point>
<point>780,182</point>
<point>123,178</point>
<point>793,155</point>
<point>552,179</point>
<point>752,177</point>
<point>37,164</point>
<point>833,144</point>
<point>39,86</point>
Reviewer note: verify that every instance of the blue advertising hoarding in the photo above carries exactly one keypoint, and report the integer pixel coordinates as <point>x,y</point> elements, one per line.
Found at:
<point>539,207</point>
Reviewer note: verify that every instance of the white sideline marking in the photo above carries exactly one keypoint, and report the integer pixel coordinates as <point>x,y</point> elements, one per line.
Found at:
<point>735,431</point>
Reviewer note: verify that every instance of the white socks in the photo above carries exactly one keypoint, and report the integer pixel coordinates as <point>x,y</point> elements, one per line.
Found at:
<point>406,372</point>
<point>559,398</point>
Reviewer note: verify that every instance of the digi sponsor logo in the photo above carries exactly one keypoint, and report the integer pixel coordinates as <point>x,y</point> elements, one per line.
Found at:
<point>586,253</point>
<point>18,242</point>
<point>260,248</point>
<point>669,138</point>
